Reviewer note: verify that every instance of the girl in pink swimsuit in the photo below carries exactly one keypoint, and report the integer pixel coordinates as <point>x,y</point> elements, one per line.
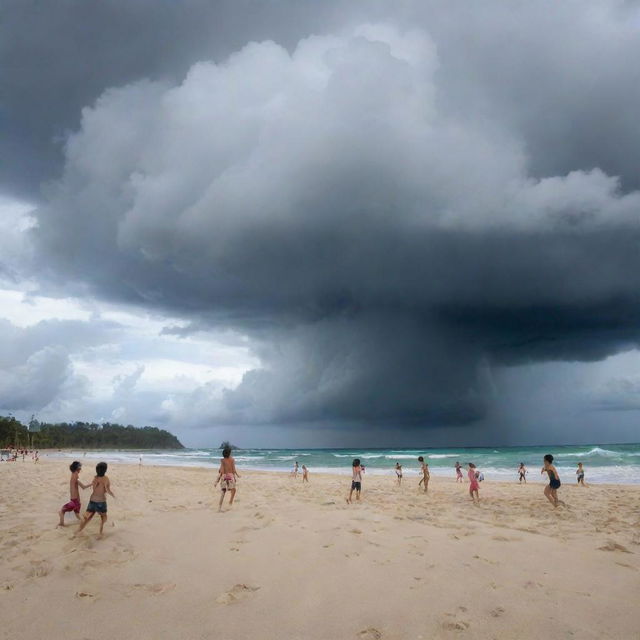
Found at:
<point>474,484</point>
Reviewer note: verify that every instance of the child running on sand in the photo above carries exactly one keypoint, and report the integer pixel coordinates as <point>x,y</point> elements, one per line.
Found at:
<point>356,480</point>
<point>580,474</point>
<point>475,485</point>
<point>101,485</point>
<point>74,494</point>
<point>459,477</point>
<point>424,467</point>
<point>399,473</point>
<point>522,472</point>
<point>551,490</point>
<point>305,474</point>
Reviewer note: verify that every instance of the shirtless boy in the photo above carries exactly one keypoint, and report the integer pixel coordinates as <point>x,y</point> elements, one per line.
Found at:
<point>74,494</point>
<point>227,475</point>
<point>101,485</point>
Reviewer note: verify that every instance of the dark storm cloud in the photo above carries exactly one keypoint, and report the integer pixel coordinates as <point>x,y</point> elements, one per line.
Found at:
<point>57,57</point>
<point>388,212</point>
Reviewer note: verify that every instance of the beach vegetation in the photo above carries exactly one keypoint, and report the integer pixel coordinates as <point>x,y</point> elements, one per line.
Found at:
<point>86,435</point>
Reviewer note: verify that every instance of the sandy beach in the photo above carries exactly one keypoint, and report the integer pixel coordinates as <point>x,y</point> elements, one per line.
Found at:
<point>295,561</point>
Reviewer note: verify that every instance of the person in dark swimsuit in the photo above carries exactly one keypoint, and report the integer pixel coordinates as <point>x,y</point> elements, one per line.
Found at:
<point>580,474</point>
<point>551,490</point>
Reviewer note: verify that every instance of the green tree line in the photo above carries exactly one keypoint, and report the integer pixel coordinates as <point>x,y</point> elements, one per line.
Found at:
<point>85,435</point>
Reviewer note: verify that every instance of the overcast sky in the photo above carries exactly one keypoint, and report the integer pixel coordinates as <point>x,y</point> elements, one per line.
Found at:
<point>298,223</point>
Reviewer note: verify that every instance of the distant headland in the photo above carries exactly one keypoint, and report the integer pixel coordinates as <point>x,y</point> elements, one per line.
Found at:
<point>83,435</point>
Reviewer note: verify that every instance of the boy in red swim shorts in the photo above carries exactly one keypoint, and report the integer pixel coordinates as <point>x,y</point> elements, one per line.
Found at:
<point>74,503</point>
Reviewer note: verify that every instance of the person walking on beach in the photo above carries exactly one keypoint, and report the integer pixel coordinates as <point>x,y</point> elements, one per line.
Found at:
<point>227,475</point>
<point>459,477</point>
<point>580,474</point>
<point>356,480</point>
<point>305,474</point>
<point>294,472</point>
<point>101,485</point>
<point>475,485</point>
<point>551,490</point>
<point>74,494</point>
<point>399,473</point>
<point>424,467</point>
<point>522,472</point>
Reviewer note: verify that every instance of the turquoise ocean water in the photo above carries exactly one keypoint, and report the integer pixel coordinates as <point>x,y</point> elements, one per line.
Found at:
<point>603,463</point>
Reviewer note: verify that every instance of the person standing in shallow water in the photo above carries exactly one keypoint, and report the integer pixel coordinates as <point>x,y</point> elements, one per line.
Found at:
<point>580,474</point>
<point>459,477</point>
<point>551,490</point>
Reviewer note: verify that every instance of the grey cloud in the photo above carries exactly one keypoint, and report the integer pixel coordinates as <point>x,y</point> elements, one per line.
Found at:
<point>382,249</point>
<point>58,57</point>
<point>35,362</point>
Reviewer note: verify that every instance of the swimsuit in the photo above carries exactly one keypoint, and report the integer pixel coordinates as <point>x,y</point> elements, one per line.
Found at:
<point>228,481</point>
<point>474,486</point>
<point>72,505</point>
<point>100,507</point>
<point>356,482</point>
<point>554,482</point>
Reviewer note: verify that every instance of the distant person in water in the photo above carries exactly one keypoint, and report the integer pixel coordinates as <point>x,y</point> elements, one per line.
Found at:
<point>551,490</point>
<point>459,477</point>
<point>399,473</point>
<point>305,474</point>
<point>522,472</point>
<point>580,474</point>
<point>356,479</point>
<point>101,485</point>
<point>424,468</point>
<point>227,475</point>
<point>475,485</point>
<point>74,494</point>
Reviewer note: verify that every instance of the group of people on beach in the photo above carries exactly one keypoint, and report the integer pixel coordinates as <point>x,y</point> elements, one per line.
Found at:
<point>296,470</point>
<point>13,454</point>
<point>227,476</point>
<point>522,474</point>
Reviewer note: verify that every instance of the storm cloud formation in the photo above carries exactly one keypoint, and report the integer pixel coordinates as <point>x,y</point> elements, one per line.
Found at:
<point>390,210</point>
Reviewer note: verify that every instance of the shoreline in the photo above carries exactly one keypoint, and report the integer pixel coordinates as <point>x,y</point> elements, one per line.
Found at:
<point>534,477</point>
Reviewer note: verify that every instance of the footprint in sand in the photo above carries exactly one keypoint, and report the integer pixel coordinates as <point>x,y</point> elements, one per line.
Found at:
<point>156,589</point>
<point>497,612</point>
<point>455,625</point>
<point>236,593</point>
<point>612,545</point>
<point>39,569</point>
<point>84,594</point>
<point>371,633</point>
